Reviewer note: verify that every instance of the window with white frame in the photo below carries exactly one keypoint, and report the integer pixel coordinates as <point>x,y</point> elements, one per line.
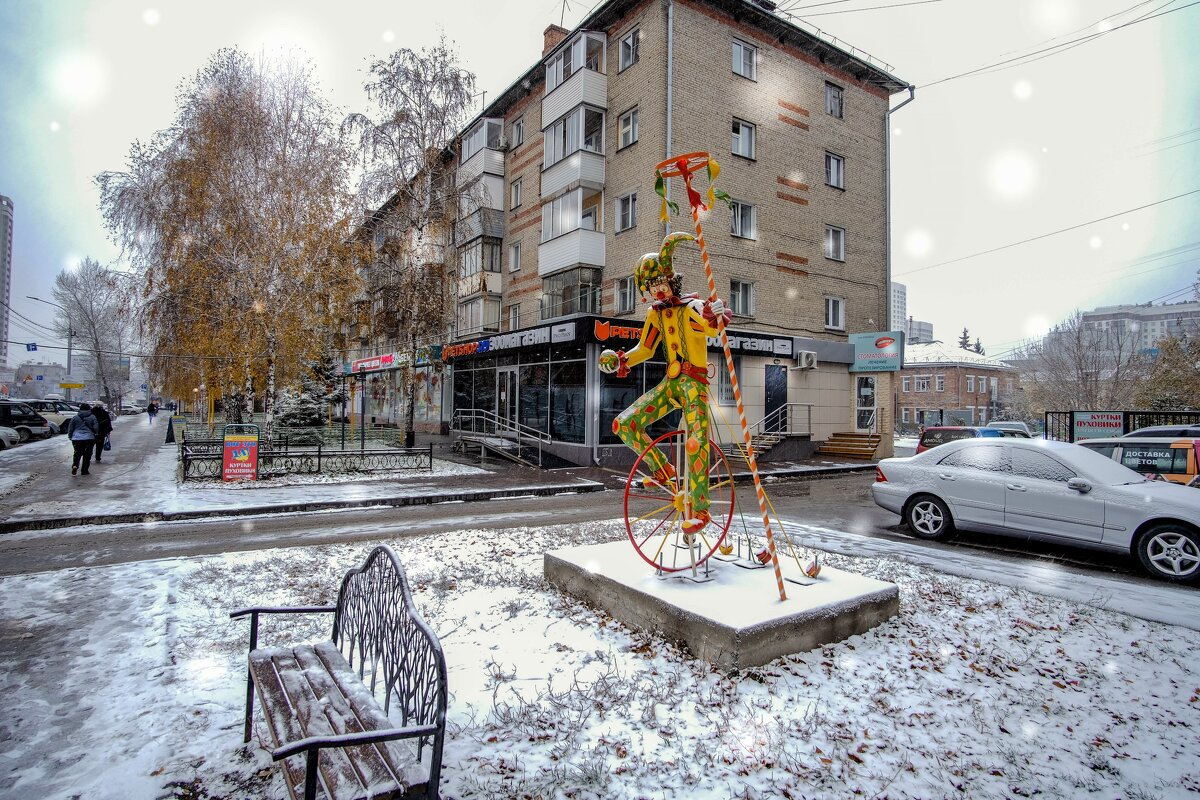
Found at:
<point>904,414</point>
<point>906,384</point>
<point>742,219</point>
<point>833,100</point>
<point>970,384</point>
<point>518,132</point>
<point>626,295</point>
<point>475,316</point>
<point>626,211</point>
<point>1008,385</point>
<point>921,383</point>
<point>585,52</point>
<point>629,46</point>
<point>628,128</point>
<point>745,60</point>
<point>580,129</point>
<point>514,256</point>
<point>741,298</point>
<point>982,384</point>
<point>835,171</point>
<point>724,384</point>
<point>514,193</point>
<point>941,382</point>
<point>485,133</point>
<point>835,315</point>
<point>743,139</point>
<point>835,243</point>
<point>482,256</point>
<point>571,211</point>
<point>514,316</point>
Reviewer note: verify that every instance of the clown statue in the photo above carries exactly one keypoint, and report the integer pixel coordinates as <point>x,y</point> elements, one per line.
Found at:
<point>682,323</point>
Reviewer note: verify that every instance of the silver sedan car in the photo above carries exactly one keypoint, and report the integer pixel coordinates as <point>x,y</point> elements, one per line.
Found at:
<point>1045,490</point>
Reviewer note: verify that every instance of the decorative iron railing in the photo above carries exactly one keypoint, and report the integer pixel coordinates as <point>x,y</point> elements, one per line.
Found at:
<point>204,462</point>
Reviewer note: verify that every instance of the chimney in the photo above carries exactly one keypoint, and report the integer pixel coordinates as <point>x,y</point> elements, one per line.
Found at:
<point>552,36</point>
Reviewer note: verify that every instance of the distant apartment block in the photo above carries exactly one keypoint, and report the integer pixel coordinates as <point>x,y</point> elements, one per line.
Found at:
<point>917,331</point>
<point>1144,325</point>
<point>898,311</point>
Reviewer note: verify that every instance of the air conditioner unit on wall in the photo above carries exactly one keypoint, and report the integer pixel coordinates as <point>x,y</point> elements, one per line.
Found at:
<point>806,359</point>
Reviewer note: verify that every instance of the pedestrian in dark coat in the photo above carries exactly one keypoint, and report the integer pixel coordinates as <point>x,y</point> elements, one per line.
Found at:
<point>152,412</point>
<point>82,430</point>
<point>105,422</point>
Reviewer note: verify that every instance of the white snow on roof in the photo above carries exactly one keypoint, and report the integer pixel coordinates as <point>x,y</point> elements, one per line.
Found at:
<point>942,353</point>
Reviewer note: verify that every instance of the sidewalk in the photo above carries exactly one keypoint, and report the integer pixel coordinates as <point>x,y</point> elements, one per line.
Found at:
<point>137,482</point>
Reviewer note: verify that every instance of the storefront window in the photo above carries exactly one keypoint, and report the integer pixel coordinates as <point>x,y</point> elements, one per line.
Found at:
<point>568,413</point>
<point>534,397</point>
<point>463,394</point>
<point>485,389</point>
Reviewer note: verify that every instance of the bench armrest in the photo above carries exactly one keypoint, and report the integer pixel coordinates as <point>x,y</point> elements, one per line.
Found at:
<point>352,739</point>
<point>241,612</point>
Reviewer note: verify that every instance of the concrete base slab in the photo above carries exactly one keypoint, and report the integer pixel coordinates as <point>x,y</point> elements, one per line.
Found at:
<point>734,620</point>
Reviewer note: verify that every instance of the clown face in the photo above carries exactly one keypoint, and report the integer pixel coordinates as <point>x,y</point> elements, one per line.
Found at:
<point>660,290</point>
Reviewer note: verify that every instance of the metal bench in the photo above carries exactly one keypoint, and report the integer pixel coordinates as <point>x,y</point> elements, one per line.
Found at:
<point>344,715</point>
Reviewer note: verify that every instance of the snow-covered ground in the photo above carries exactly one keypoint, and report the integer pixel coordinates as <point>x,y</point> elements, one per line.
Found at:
<point>128,682</point>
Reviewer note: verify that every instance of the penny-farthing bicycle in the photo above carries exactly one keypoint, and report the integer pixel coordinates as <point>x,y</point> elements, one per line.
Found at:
<point>656,506</point>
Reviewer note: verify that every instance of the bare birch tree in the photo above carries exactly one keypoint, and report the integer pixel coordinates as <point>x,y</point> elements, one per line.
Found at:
<point>422,100</point>
<point>96,309</point>
<point>238,218</point>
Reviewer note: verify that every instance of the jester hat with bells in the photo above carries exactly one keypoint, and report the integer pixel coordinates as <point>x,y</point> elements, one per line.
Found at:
<point>655,267</point>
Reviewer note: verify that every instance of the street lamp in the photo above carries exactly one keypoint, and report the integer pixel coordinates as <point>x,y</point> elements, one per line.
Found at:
<point>362,423</point>
<point>195,401</point>
<point>70,334</point>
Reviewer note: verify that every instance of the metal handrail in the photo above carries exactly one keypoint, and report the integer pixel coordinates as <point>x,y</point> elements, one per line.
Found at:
<point>783,414</point>
<point>495,425</point>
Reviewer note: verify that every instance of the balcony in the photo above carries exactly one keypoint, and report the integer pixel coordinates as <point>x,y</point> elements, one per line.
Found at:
<point>487,283</point>
<point>585,86</point>
<point>572,249</point>
<point>581,168</point>
<point>486,161</point>
<point>484,222</point>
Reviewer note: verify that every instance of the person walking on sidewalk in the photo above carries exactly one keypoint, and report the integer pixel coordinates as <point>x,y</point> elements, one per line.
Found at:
<point>152,412</point>
<point>82,431</point>
<point>104,420</point>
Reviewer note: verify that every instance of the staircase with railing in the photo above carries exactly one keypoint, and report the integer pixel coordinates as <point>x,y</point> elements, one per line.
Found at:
<point>503,437</point>
<point>790,419</point>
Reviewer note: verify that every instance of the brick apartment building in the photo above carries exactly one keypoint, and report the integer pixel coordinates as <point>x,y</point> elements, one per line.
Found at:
<point>563,162</point>
<point>943,384</point>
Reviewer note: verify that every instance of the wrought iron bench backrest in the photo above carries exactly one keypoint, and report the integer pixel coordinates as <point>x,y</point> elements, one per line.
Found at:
<point>396,654</point>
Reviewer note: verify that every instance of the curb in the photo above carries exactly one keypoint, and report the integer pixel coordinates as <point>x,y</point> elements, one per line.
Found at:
<point>49,523</point>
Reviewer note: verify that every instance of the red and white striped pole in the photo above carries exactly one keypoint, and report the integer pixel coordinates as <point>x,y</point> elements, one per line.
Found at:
<point>685,166</point>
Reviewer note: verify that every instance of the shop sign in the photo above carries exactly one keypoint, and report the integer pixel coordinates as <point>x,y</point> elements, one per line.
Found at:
<point>882,351</point>
<point>755,344</point>
<point>562,332</point>
<point>1097,424</point>
<point>370,364</point>
<point>241,453</point>
<point>604,330</point>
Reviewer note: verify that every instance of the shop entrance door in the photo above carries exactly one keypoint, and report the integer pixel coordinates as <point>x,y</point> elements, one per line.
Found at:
<point>775,398</point>
<point>506,397</point>
<point>864,397</point>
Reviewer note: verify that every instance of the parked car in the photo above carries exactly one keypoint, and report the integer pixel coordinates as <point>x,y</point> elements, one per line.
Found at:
<point>8,438</point>
<point>24,420</point>
<point>1165,457</point>
<point>1046,490</point>
<point>1167,430</point>
<point>133,408</point>
<point>57,412</point>
<point>932,437</point>
<point>1010,425</point>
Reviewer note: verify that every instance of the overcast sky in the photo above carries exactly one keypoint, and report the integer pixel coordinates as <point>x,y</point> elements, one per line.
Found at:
<point>1079,143</point>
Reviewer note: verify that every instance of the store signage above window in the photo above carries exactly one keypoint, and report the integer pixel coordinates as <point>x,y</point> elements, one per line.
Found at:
<point>547,334</point>
<point>604,330</point>
<point>755,344</point>
<point>370,364</point>
<point>882,351</point>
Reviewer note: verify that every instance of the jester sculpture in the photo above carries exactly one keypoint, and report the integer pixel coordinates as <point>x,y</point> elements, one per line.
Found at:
<point>681,323</point>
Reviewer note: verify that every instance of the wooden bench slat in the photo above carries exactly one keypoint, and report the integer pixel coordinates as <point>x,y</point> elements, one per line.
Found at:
<point>294,712</point>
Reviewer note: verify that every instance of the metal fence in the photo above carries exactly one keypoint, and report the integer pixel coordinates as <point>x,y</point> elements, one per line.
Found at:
<point>1060,425</point>
<point>205,459</point>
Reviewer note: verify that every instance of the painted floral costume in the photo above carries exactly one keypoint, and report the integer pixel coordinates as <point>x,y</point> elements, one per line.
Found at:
<point>681,324</point>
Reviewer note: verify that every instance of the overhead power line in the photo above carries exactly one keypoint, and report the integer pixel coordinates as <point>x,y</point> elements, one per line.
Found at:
<point>1045,235</point>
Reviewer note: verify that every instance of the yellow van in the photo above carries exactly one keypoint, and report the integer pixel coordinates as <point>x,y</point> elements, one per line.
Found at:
<point>1166,458</point>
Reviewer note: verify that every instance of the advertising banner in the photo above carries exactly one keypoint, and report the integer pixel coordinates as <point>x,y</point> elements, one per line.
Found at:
<point>241,453</point>
<point>1096,424</point>
<point>882,351</point>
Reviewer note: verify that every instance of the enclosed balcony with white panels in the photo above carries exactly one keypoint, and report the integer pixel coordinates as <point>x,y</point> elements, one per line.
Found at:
<point>572,249</point>
<point>581,168</point>
<point>482,152</point>
<point>575,74</point>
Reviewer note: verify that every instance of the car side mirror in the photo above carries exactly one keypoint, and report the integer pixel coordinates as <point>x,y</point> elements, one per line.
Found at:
<point>1079,485</point>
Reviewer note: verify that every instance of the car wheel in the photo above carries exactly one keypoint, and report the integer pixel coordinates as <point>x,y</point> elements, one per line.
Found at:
<point>24,435</point>
<point>928,517</point>
<point>1170,551</point>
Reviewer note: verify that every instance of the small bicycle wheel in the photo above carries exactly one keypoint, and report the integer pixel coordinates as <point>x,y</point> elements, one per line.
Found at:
<point>655,510</point>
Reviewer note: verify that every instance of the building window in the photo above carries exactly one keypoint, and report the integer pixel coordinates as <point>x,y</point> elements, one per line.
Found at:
<point>835,243</point>
<point>485,133</point>
<point>514,256</point>
<point>1008,385</point>
<point>476,316</point>
<point>629,49</point>
<point>921,383</point>
<point>586,52</point>
<point>835,171</point>
<point>983,384</point>
<point>570,212</point>
<point>518,132</point>
<point>743,139</point>
<point>626,212</point>
<point>833,100</point>
<point>626,295</point>
<point>970,384</point>
<point>576,291</point>
<point>483,256</point>
<point>514,316</point>
<point>628,128</point>
<point>904,413</point>
<point>745,60</point>
<point>906,384</point>
<point>835,317</point>
<point>581,129</point>
<point>742,217</point>
<point>940,382</point>
<point>724,385</point>
<point>741,298</point>
<point>514,193</point>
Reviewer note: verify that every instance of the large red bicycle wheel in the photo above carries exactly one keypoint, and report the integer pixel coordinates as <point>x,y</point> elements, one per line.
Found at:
<point>654,512</point>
